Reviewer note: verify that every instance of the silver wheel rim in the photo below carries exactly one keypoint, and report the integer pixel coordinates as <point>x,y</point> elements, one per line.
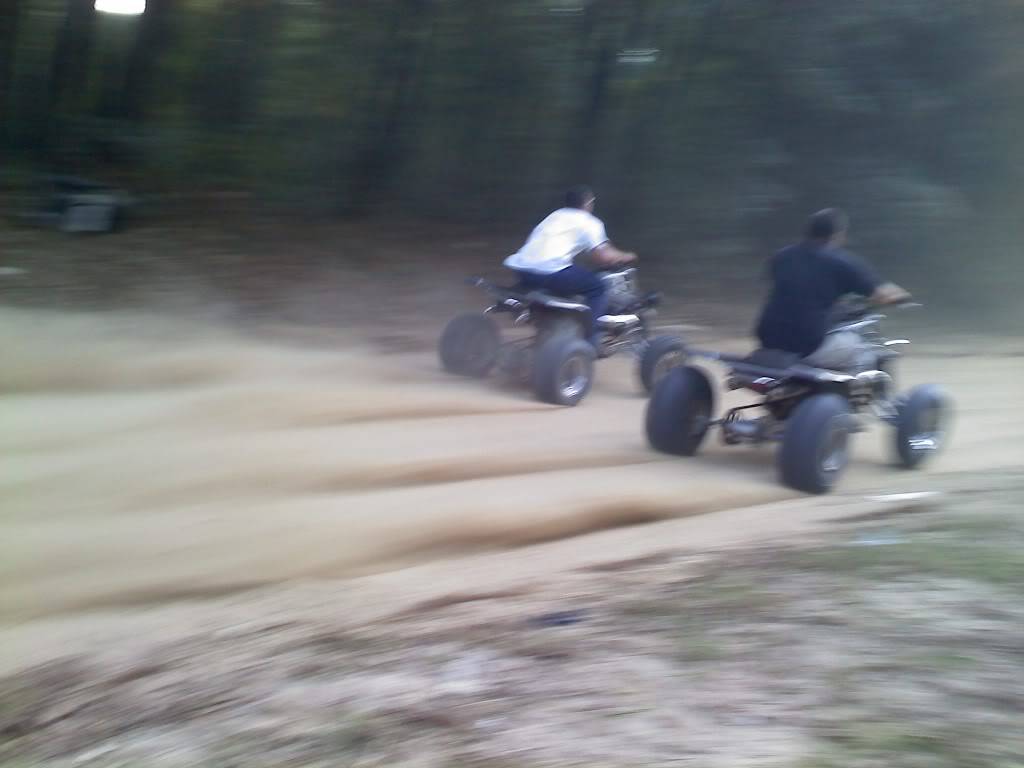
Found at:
<point>573,377</point>
<point>834,453</point>
<point>929,434</point>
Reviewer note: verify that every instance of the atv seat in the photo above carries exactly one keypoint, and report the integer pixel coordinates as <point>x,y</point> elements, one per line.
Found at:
<point>518,295</point>
<point>765,369</point>
<point>552,301</point>
<point>773,358</point>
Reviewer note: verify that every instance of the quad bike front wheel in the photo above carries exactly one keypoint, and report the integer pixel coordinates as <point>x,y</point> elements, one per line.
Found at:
<point>660,355</point>
<point>922,423</point>
<point>563,370</point>
<point>469,345</point>
<point>816,444</point>
<point>679,411</point>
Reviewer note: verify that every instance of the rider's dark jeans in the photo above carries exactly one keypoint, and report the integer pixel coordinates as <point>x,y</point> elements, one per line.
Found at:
<point>573,281</point>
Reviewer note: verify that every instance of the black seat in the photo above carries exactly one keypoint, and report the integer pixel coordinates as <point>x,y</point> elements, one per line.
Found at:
<point>772,358</point>
<point>555,302</point>
<point>762,369</point>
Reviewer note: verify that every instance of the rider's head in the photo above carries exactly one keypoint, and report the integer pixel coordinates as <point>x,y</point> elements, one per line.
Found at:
<point>580,196</point>
<point>828,227</point>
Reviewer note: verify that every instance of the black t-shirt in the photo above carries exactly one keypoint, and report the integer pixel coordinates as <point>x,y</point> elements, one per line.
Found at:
<point>807,279</point>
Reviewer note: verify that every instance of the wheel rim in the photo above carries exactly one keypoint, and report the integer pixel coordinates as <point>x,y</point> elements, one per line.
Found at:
<point>928,435</point>
<point>833,454</point>
<point>666,363</point>
<point>572,377</point>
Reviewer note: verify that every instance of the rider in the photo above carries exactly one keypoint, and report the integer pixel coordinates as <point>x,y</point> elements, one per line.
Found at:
<point>807,280</point>
<point>545,261</point>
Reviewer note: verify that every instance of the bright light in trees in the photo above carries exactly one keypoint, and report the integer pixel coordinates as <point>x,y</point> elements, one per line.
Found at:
<point>127,7</point>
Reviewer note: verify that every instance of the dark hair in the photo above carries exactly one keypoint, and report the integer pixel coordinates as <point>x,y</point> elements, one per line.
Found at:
<point>826,223</point>
<point>578,196</point>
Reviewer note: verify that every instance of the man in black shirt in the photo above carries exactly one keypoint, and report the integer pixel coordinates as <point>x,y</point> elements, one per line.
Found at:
<point>807,279</point>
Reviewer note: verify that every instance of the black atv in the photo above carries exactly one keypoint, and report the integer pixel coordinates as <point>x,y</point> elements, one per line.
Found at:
<point>810,412</point>
<point>556,359</point>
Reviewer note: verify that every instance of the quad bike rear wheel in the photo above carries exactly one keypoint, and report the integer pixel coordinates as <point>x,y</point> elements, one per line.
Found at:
<point>470,344</point>
<point>815,445</point>
<point>563,369</point>
<point>679,411</point>
<point>922,423</point>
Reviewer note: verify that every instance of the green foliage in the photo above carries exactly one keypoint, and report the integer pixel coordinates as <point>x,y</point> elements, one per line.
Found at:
<point>696,120</point>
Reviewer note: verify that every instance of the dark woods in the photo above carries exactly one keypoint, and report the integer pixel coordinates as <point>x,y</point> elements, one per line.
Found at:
<point>698,121</point>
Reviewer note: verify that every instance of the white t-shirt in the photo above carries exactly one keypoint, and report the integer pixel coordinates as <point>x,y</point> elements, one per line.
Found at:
<point>558,239</point>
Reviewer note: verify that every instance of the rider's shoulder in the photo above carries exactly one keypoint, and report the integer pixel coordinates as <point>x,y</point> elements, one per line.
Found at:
<point>578,213</point>
<point>583,220</point>
<point>787,251</point>
<point>842,256</point>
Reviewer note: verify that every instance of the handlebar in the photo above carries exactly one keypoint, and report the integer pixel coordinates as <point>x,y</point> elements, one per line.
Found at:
<point>851,310</point>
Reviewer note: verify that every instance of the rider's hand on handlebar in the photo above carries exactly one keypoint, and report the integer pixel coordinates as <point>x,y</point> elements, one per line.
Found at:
<point>890,293</point>
<point>629,257</point>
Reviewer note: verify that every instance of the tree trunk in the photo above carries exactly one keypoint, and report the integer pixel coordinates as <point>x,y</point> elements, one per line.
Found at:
<point>230,73</point>
<point>153,38</point>
<point>391,97</point>
<point>599,49</point>
<point>69,64</point>
<point>9,10</point>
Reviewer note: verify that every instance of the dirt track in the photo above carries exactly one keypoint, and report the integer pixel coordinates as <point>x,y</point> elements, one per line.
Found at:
<point>147,461</point>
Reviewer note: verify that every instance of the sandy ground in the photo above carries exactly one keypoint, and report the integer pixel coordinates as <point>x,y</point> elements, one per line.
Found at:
<point>212,541</point>
<point>147,460</point>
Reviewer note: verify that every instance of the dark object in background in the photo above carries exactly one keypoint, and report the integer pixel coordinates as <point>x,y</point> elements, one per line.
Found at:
<point>73,204</point>
<point>559,618</point>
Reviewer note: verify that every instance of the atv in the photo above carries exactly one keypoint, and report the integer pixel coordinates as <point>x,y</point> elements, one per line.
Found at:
<point>554,356</point>
<point>810,412</point>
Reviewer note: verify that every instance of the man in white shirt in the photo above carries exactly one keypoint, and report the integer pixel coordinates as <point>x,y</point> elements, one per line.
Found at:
<point>546,259</point>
